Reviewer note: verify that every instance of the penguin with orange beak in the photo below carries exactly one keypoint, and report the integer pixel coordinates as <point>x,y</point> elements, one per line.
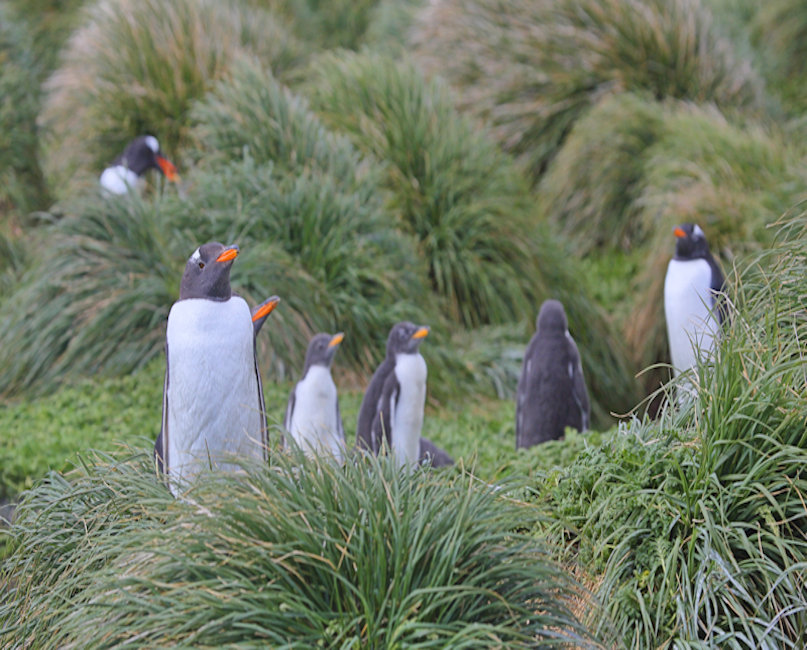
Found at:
<point>127,170</point>
<point>213,409</point>
<point>312,414</point>
<point>691,306</point>
<point>391,411</point>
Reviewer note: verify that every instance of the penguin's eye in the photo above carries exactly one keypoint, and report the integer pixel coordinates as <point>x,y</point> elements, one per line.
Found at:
<point>201,265</point>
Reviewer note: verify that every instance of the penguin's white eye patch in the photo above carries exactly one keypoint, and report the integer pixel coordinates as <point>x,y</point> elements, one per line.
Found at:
<point>197,256</point>
<point>151,143</point>
<point>697,231</point>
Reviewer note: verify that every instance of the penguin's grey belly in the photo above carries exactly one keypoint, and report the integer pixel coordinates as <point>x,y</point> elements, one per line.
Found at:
<point>213,406</point>
<point>691,325</point>
<point>406,418</point>
<point>313,425</point>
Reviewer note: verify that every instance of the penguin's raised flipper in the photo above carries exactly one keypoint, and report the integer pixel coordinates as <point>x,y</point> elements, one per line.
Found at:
<point>260,312</point>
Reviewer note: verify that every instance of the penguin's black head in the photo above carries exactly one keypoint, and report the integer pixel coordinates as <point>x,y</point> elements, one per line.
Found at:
<point>321,350</point>
<point>690,242</point>
<point>207,273</point>
<point>144,153</point>
<point>404,338</point>
<point>552,318</point>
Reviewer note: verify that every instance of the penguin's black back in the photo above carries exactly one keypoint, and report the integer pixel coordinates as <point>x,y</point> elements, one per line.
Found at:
<point>551,391</point>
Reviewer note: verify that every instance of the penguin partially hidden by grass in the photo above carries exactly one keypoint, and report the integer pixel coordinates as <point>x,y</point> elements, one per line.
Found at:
<point>551,393</point>
<point>391,412</point>
<point>126,171</point>
<point>213,405</point>
<point>692,309</point>
<point>312,418</point>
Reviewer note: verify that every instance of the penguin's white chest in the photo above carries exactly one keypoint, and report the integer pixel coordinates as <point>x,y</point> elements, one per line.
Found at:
<point>314,423</point>
<point>213,405</point>
<point>407,415</point>
<point>688,305</point>
<point>120,180</point>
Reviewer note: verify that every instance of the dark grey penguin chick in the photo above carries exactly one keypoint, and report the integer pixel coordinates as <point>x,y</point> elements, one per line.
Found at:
<point>691,307</point>
<point>392,407</point>
<point>551,392</point>
<point>312,414</point>
<point>140,155</point>
<point>212,397</point>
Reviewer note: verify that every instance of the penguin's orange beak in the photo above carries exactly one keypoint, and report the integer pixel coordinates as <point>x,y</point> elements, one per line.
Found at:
<point>266,309</point>
<point>228,254</point>
<point>336,339</point>
<point>679,232</point>
<point>421,333</point>
<point>167,168</point>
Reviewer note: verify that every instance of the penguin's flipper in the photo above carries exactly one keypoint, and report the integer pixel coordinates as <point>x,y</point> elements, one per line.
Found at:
<point>718,286</point>
<point>159,454</point>
<point>579,391</point>
<point>381,428</point>
<point>260,312</point>
<point>429,453</point>
<point>160,443</point>
<point>289,413</point>
<point>339,428</point>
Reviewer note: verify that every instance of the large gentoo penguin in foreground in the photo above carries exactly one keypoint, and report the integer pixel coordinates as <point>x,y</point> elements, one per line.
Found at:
<point>551,392</point>
<point>212,398</point>
<point>126,171</point>
<point>691,305</point>
<point>312,414</point>
<point>391,412</point>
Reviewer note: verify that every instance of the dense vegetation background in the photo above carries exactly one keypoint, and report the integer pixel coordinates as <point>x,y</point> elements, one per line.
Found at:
<point>452,163</point>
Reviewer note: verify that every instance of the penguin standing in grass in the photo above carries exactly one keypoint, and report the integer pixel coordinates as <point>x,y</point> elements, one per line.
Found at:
<point>126,171</point>
<point>212,398</point>
<point>391,411</point>
<point>551,392</point>
<point>691,308</point>
<point>312,414</point>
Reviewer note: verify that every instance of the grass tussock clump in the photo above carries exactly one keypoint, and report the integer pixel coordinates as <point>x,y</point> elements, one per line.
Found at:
<point>698,520</point>
<point>295,555</point>
<point>532,69</point>
<point>590,190</point>
<point>136,67</point>
<point>453,190</point>
<point>22,186</point>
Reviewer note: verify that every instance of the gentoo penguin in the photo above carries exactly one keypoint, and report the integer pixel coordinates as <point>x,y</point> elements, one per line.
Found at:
<point>690,298</point>
<point>212,397</point>
<point>312,414</point>
<point>551,392</point>
<point>392,407</point>
<point>126,171</point>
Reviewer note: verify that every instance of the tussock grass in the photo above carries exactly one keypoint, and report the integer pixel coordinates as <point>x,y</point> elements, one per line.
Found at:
<point>590,190</point>
<point>22,186</point>
<point>452,189</point>
<point>532,69</point>
<point>135,67</point>
<point>97,301</point>
<point>779,29</point>
<point>698,520</point>
<point>295,555</point>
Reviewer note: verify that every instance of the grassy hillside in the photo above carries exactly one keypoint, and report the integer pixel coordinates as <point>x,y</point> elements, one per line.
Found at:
<point>451,163</point>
